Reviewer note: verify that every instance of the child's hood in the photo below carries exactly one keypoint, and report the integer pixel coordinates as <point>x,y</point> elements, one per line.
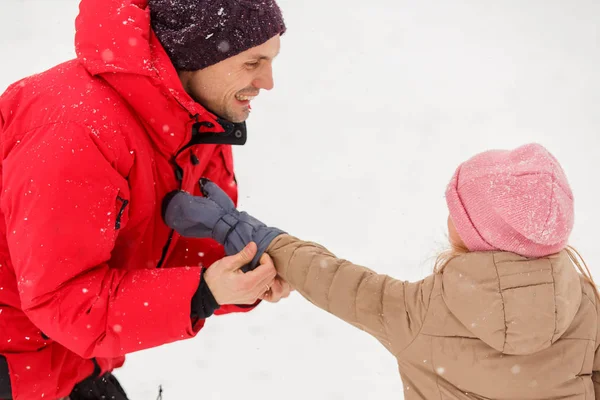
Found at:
<point>514,304</point>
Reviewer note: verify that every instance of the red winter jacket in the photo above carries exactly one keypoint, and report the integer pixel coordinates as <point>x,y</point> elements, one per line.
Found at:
<point>89,149</point>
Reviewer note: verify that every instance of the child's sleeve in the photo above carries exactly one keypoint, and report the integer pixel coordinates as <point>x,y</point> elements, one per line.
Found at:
<point>596,375</point>
<point>596,367</point>
<point>388,309</point>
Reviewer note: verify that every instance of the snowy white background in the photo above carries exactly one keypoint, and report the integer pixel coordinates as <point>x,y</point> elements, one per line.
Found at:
<point>376,102</point>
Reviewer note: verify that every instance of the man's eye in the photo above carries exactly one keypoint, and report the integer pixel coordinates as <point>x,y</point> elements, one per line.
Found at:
<point>252,65</point>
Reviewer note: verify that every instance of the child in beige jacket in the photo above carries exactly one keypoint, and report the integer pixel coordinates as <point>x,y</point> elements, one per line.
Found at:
<point>506,315</point>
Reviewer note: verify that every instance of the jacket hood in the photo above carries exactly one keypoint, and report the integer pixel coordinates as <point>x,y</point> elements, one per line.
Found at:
<point>516,305</point>
<point>114,41</point>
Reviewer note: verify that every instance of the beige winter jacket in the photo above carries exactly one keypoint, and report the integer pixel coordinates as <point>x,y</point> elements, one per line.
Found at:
<point>490,326</point>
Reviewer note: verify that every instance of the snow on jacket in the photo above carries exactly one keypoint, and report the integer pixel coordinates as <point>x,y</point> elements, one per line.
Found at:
<point>88,269</point>
<point>492,325</point>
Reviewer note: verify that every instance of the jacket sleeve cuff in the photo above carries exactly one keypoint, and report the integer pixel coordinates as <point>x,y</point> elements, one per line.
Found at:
<point>233,309</point>
<point>203,302</point>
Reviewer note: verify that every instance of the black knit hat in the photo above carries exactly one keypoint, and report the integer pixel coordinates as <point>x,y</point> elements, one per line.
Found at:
<point>200,33</point>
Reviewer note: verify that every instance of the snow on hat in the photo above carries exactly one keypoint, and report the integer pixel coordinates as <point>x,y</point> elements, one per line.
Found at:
<point>199,33</point>
<point>517,201</point>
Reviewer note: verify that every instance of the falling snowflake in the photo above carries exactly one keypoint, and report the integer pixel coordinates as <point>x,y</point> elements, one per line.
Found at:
<point>108,55</point>
<point>224,46</point>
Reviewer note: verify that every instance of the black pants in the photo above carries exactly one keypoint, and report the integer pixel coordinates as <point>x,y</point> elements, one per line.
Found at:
<point>93,388</point>
<point>5,391</point>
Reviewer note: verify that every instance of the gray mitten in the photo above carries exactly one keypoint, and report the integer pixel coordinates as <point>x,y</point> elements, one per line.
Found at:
<point>215,216</point>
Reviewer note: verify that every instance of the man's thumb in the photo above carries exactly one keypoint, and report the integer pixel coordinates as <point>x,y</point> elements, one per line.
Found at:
<point>245,256</point>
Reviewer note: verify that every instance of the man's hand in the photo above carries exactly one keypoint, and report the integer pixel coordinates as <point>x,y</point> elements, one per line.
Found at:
<point>229,285</point>
<point>278,289</point>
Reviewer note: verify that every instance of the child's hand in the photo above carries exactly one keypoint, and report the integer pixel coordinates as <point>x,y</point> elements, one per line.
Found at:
<point>278,288</point>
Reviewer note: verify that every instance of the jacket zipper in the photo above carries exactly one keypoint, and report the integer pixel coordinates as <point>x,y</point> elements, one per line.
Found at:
<point>124,204</point>
<point>239,133</point>
<point>165,249</point>
<point>179,177</point>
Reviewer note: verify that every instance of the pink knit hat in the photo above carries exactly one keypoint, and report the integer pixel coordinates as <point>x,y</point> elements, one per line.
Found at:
<point>517,201</point>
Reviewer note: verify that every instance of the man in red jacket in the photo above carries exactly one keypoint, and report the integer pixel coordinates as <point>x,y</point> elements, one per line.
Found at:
<point>89,272</point>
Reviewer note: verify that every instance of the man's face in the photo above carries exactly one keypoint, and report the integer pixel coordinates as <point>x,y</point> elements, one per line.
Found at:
<point>227,88</point>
